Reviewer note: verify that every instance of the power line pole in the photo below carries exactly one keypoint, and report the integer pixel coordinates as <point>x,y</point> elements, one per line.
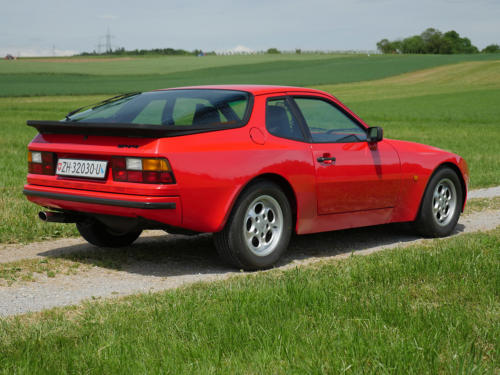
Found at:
<point>99,46</point>
<point>108,47</point>
<point>108,37</point>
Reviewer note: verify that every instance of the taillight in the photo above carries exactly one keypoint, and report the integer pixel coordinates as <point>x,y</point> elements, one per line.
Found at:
<point>41,162</point>
<point>142,170</point>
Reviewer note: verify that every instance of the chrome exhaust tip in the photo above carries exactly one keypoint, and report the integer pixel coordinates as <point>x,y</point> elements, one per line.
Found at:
<point>56,217</point>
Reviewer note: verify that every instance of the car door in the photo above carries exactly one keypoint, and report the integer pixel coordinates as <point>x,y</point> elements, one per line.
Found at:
<point>351,173</point>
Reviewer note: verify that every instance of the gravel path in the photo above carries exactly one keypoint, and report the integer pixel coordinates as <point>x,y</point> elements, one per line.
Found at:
<point>484,193</point>
<point>182,260</point>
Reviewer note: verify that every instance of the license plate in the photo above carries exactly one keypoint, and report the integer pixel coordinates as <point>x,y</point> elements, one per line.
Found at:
<point>81,168</point>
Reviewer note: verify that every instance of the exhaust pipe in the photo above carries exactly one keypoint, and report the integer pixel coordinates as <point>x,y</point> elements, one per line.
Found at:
<point>56,217</point>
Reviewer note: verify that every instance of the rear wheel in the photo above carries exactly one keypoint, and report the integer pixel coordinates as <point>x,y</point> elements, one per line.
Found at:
<point>441,204</point>
<point>258,230</point>
<point>98,234</point>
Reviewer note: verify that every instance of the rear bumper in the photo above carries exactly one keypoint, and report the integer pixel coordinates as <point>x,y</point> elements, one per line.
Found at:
<point>166,210</point>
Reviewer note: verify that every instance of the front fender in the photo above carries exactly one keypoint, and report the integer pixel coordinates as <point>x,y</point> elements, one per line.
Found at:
<point>418,163</point>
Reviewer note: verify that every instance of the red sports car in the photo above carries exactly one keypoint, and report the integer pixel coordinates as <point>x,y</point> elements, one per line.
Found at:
<point>252,164</point>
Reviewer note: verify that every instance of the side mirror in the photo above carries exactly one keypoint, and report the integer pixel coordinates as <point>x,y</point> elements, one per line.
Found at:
<point>375,134</point>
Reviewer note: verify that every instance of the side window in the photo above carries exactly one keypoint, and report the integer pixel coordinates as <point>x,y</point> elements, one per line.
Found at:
<point>280,120</point>
<point>327,123</point>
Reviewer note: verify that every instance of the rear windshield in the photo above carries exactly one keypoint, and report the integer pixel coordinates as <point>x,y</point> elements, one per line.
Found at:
<point>194,107</point>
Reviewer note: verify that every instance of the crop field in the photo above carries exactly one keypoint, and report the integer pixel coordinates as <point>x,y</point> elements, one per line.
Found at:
<point>35,78</point>
<point>454,107</point>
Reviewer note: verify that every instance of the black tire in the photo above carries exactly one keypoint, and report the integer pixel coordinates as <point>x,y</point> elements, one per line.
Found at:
<point>256,234</point>
<point>98,234</point>
<point>438,215</point>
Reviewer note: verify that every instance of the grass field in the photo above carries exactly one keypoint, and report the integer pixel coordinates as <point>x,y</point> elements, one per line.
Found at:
<point>33,78</point>
<point>454,107</point>
<point>426,309</point>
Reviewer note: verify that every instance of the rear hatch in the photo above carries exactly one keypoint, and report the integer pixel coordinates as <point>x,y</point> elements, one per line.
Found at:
<point>118,145</point>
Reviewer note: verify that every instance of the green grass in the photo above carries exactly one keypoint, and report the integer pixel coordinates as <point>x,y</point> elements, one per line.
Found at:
<point>422,310</point>
<point>482,204</point>
<point>139,74</point>
<point>453,107</point>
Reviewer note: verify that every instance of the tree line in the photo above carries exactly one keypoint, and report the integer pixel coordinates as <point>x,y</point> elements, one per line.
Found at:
<point>155,51</point>
<point>433,41</point>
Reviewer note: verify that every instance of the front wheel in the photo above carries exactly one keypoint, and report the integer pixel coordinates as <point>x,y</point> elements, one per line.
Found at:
<point>441,205</point>
<point>98,234</point>
<point>258,230</point>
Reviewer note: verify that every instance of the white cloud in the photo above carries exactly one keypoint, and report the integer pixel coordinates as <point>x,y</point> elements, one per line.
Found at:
<point>239,49</point>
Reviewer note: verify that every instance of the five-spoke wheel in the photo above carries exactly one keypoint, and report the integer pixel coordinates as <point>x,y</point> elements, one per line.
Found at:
<point>441,204</point>
<point>444,201</point>
<point>263,225</point>
<point>259,228</point>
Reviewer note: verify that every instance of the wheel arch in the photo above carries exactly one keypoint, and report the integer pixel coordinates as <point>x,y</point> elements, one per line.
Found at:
<point>279,180</point>
<point>460,176</point>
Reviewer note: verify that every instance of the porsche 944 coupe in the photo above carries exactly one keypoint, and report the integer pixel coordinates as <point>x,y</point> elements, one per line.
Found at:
<point>250,164</point>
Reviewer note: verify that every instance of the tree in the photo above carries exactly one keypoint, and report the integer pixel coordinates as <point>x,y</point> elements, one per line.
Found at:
<point>450,43</point>
<point>413,44</point>
<point>432,40</point>
<point>273,50</point>
<point>385,46</point>
<point>492,48</point>
<point>429,41</point>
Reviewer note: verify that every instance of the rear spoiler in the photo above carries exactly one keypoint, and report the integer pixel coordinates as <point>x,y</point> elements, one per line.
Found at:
<point>121,130</point>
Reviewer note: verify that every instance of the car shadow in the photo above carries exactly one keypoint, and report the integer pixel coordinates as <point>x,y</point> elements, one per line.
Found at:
<point>176,255</point>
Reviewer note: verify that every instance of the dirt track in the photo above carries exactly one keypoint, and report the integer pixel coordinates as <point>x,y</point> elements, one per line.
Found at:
<point>181,260</point>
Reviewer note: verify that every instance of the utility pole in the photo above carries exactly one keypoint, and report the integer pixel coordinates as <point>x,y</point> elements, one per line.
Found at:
<point>99,46</point>
<point>108,47</point>
<point>108,37</point>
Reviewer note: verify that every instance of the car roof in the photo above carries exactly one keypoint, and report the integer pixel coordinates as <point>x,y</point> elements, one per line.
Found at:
<point>254,89</point>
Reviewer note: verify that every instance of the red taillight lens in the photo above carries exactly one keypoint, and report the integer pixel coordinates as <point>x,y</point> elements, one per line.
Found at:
<point>134,176</point>
<point>142,170</point>
<point>35,168</point>
<point>41,162</point>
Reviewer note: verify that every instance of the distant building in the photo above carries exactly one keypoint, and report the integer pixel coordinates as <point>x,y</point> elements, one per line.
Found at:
<point>9,57</point>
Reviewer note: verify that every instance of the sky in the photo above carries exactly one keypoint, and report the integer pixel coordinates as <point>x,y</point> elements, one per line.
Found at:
<point>65,27</point>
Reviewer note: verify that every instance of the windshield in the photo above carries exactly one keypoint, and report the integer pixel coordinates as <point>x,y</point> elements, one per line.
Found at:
<point>188,107</point>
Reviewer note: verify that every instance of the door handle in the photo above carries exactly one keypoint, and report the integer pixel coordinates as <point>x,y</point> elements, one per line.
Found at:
<point>322,159</point>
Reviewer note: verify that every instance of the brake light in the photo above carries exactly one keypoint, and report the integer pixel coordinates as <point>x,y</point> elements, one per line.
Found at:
<point>142,170</point>
<point>41,162</point>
